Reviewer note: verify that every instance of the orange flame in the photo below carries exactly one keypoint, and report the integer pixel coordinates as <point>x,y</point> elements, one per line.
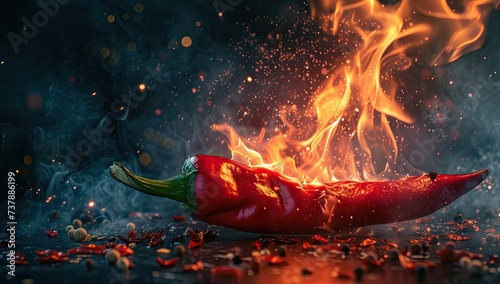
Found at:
<point>352,136</point>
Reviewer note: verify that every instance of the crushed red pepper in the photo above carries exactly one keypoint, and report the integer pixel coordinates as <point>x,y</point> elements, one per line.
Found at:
<point>51,233</point>
<point>167,263</point>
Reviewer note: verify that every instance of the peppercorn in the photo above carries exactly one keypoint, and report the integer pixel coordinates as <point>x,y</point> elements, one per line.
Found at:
<point>179,251</point>
<point>433,175</point>
<point>112,256</point>
<point>89,263</point>
<point>77,223</point>
<point>69,227</point>
<point>458,218</point>
<point>415,248</point>
<point>130,226</point>
<point>282,251</point>
<point>71,234</point>
<point>490,238</point>
<point>237,260</point>
<point>80,234</point>
<point>358,274</point>
<point>421,272</point>
<point>394,256</point>
<point>346,249</point>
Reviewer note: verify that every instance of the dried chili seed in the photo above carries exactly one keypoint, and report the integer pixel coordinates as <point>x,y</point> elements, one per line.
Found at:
<point>167,263</point>
<point>51,233</point>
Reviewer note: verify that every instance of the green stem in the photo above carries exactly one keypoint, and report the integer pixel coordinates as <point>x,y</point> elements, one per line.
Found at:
<point>179,187</point>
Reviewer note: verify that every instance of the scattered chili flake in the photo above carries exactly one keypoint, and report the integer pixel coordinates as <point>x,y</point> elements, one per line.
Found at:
<point>124,250</point>
<point>368,242</point>
<point>459,238</point>
<point>132,234</point>
<point>49,252</point>
<point>257,244</point>
<point>193,266</point>
<point>490,230</point>
<point>226,272</point>
<point>319,239</point>
<point>51,233</point>
<point>168,262</point>
<point>274,260</point>
<point>194,243</point>
<point>307,246</point>
<point>178,218</point>
<point>89,249</point>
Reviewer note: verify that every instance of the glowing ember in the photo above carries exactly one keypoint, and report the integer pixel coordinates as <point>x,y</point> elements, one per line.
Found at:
<point>351,136</point>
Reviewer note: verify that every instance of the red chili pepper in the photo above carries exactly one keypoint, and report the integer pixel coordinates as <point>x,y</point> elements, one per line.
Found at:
<point>168,262</point>
<point>307,246</point>
<point>221,191</point>
<point>51,233</point>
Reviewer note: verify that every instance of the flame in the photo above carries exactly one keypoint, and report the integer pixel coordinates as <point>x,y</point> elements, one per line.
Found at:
<point>352,136</point>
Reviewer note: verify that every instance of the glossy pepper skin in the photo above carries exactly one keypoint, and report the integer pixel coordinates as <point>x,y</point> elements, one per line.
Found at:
<point>220,191</point>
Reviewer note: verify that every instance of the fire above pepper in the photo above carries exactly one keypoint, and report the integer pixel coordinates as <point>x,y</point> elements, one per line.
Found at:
<point>221,191</point>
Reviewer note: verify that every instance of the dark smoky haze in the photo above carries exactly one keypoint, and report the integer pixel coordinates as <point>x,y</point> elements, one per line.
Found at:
<point>86,83</point>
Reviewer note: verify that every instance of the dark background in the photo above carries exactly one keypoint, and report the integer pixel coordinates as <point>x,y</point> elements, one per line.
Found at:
<point>65,81</point>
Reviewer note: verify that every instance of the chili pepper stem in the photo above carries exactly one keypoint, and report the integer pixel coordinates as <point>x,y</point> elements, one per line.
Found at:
<point>178,187</point>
